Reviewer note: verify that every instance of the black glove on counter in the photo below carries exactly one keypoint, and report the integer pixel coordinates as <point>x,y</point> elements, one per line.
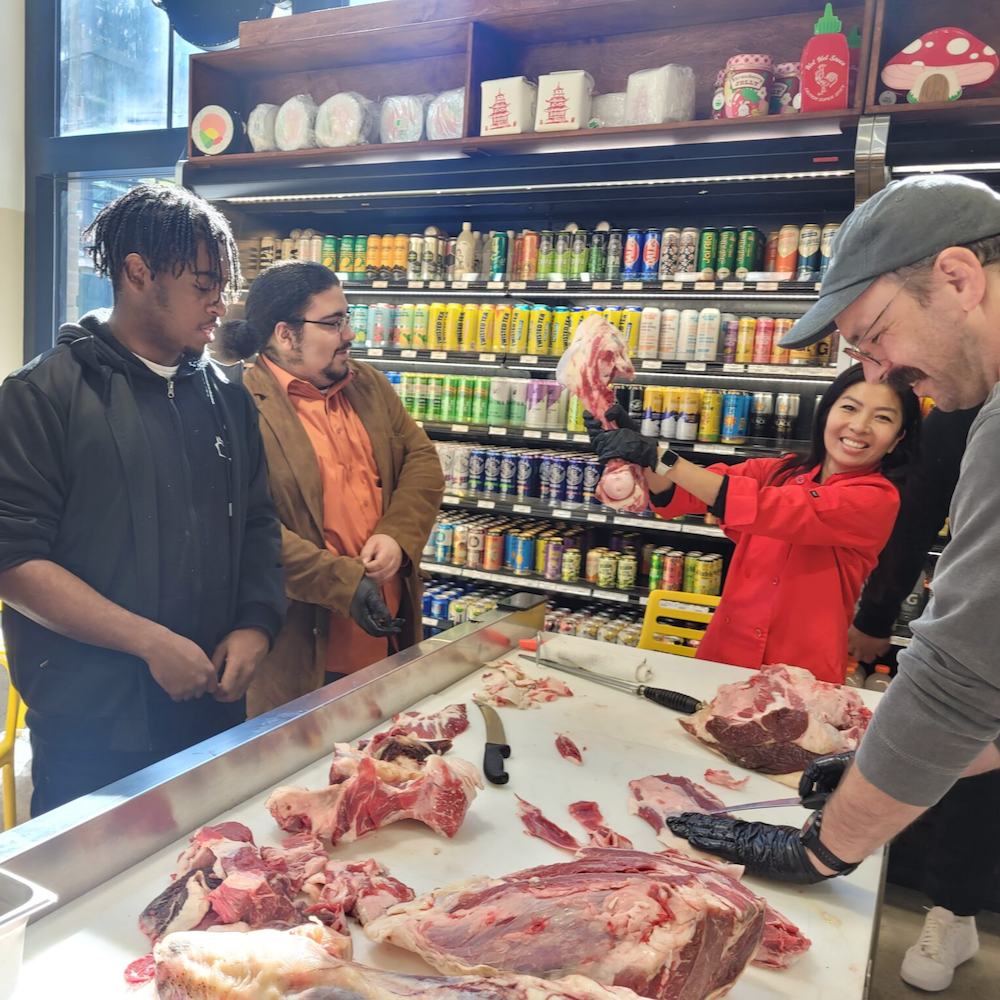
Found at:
<point>769,851</point>
<point>625,442</point>
<point>821,776</point>
<point>370,612</point>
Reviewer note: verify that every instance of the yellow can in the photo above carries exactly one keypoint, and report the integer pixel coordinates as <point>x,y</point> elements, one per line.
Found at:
<point>824,349</point>
<point>484,336</point>
<point>373,256</point>
<point>631,320</point>
<point>779,355</point>
<point>561,330</point>
<point>540,331</point>
<point>400,253</point>
<point>421,321</point>
<point>521,326</point>
<point>436,323</point>
<point>710,423</point>
<point>704,576</point>
<point>804,355</point>
<point>541,546</point>
<point>613,314</point>
<point>745,337</point>
<point>453,322</point>
<point>385,258</point>
<point>589,311</point>
<point>470,327</point>
<point>503,322</point>
<point>574,419</point>
<point>404,324</point>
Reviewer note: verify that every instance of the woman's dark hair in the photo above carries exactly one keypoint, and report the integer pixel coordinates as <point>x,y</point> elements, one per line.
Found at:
<point>893,465</point>
<point>282,292</point>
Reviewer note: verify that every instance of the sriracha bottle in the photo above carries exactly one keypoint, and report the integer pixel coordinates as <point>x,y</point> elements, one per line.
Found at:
<point>826,63</point>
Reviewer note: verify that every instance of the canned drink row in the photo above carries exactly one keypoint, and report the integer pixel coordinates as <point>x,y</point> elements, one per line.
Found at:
<point>709,416</point>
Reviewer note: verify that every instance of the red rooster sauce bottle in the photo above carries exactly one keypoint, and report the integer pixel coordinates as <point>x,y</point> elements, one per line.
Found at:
<point>825,66</point>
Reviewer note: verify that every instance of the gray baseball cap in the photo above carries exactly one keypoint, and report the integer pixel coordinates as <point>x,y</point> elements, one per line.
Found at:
<point>905,222</point>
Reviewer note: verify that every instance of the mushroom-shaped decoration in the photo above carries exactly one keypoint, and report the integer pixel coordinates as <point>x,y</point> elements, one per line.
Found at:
<point>938,66</point>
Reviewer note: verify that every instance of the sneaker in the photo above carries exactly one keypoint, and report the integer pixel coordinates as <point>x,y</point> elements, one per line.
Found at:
<point>945,943</point>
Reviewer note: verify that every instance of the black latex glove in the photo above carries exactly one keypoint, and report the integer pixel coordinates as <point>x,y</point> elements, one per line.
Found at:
<point>774,852</point>
<point>625,442</point>
<point>821,776</point>
<point>370,611</point>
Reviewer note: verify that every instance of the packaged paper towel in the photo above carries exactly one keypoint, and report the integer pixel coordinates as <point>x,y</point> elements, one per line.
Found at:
<point>664,94</point>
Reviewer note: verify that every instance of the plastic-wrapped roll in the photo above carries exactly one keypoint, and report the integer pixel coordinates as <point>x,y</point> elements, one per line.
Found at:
<point>445,114</point>
<point>215,130</point>
<point>402,118</point>
<point>260,128</point>
<point>295,124</point>
<point>346,119</point>
<point>607,111</point>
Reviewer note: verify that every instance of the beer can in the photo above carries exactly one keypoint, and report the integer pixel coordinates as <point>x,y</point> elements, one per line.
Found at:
<point>561,254</point>
<point>607,570</point>
<point>328,257</point>
<point>418,401</point>
<point>541,545</point>
<point>498,256</point>
<point>632,401</point>
<point>824,349</point>
<point>345,255</point>
<point>303,249</point>
<point>578,255</point>
<point>414,256</point>
<point>493,550</point>
<point>498,409</point>
<point>560,331</point>
<point>469,329</point>
<point>379,324</point>
<point>786,410</point>
<point>480,400</point>
<point>745,338</point>
<point>687,335</point>
<point>729,336</point>
<point>771,251</point>
<point>655,580</point>
<point>690,563</point>
<point>649,332</point>
<point>437,323</point>
<point>491,470</point>
<point>762,415</point>
<point>444,534</point>
<point>400,253</point>
<point>632,261</point>
<point>518,402</point>
<point>673,570</point>
<point>763,340</point>
<point>558,466</point>
<point>508,474</point>
<point>809,253</point>
<point>521,329</point>
<point>574,478</point>
<point>708,253</point>
<point>690,413</point>
<point>421,321</point>
<point>574,416</point>
<point>671,412</point>
<point>529,257</point>
<point>460,548</point>
<point>287,249</point>
<point>429,257</point>
<point>651,255</point>
<point>406,319</point>
<point>825,247</point>
<point>527,475</point>
<point>503,318</point>
<point>591,477</point>
<point>571,566</point>
<point>453,327</point>
<point>807,355</point>
<point>749,250</point>
<point>484,327</point>
<point>591,563</point>
<point>553,559</point>
<point>687,251</point>
<point>779,355</point>
<point>270,248</point>
<point>726,261</point>
<point>709,329</point>
<point>652,410</point>
<point>627,570</point>
<point>710,420</point>
<point>518,255</point>
<point>597,256</point>
<point>546,254</point>
<point>670,245</point>
<point>537,404</point>
<point>540,336</point>
<point>630,325</point>
<point>704,576</point>
<point>735,416</point>
<point>615,251</point>
<point>524,555</point>
<point>613,314</point>
<point>449,399</point>
<point>435,391</point>
<point>463,399</point>
<point>787,261</point>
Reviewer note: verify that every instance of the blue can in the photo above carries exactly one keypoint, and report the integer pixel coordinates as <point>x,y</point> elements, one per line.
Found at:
<point>491,471</point>
<point>544,467</point>
<point>735,416</point>
<point>508,550</point>
<point>477,469</point>
<point>591,477</point>
<point>524,555</point>
<point>557,478</point>
<point>444,535</point>
<point>527,475</point>
<point>439,606</point>
<point>632,257</point>
<point>651,255</point>
<point>574,479</point>
<point>508,473</point>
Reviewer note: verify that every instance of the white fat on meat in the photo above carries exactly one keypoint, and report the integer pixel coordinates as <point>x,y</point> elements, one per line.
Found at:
<point>508,686</point>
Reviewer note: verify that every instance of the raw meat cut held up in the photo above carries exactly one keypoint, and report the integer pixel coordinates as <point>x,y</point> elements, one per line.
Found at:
<point>779,720</point>
<point>265,965</point>
<point>596,357</point>
<point>664,925</point>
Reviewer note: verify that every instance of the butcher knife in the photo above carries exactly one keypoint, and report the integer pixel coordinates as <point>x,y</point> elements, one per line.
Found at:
<point>812,801</point>
<point>496,746</point>
<point>661,696</point>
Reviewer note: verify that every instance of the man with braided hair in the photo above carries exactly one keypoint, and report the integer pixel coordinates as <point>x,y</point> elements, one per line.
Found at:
<point>138,542</point>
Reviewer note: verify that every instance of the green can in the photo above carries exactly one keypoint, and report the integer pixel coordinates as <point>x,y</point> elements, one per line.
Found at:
<point>449,399</point>
<point>420,397</point>
<point>748,250</point>
<point>560,256</point>
<point>329,257</point>
<point>546,254</point>
<point>498,256</point>
<point>434,390</point>
<point>360,270</point>
<point>406,392</point>
<point>345,255</point>
<point>708,253</point>
<point>726,263</point>
<point>463,406</point>
<point>578,254</point>
<point>597,256</point>
<point>480,399</point>
<point>690,570</point>
<point>628,569</point>
<point>571,566</point>
<point>656,570</point>
<point>607,570</point>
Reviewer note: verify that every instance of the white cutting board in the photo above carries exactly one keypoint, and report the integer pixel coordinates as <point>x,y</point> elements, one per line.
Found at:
<point>90,941</point>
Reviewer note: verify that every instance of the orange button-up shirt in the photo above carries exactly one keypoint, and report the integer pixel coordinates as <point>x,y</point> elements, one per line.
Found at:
<point>352,502</point>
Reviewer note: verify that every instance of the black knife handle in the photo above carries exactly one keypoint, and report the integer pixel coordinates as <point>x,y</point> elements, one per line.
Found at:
<point>671,699</point>
<point>493,763</point>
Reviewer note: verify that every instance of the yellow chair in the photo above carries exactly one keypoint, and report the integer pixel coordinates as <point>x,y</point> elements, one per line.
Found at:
<point>653,626</point>
<point>15,720</point>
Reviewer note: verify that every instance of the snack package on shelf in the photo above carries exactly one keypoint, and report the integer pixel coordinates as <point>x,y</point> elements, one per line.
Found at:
<point>295,124</point>
<point>402,118</point>
<point>260,128</point>
<point>445,114</point>
<point>508,106</point>
<point>663,94</point>
<point>346,119</point>
<point>607,111</point>
<point>564,101</point>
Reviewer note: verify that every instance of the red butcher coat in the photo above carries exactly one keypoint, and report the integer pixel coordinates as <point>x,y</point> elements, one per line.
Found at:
<point>803,553</point>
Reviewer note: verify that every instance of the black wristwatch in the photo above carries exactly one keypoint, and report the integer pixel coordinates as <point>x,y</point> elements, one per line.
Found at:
<point>810,839</point>
<point>666,462</point>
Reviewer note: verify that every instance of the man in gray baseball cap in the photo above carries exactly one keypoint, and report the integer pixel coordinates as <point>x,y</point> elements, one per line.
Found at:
<point>914,291</point>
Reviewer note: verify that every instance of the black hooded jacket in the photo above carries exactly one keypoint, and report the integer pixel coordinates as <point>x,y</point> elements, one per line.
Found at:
<point>153,492</point>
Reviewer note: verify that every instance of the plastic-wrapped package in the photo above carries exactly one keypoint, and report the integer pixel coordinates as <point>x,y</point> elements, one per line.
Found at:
<point>215,129</point>
<point>663,94</point>
<point>295,125</point>
<point>445,114</point>
<point>260,128</point>
<point>402,118</point>
<point>346,119</point>
<point>607,111</point>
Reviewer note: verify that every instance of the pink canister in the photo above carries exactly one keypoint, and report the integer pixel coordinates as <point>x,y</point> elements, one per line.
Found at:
<point>748,85</point>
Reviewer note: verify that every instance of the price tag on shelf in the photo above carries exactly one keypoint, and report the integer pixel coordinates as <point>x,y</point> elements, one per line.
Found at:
<point>486,504</point>
<point>818,285</point>
<point>717,449</point>
<point>375,352</point>
<point>497,431</point>
<point>631,286</point>
<point>532,434</point>
<point>649,364</point>
<point>447,498</point>
<point>435,284</point>
<point>733,286</point>
<point>529,359</point>
<point>495,286</point>
<point>557,286</point>
<point>460,428</point>
<point>644,600</point>
<point>581,439</point>
<point>487,357</point>
<point>598,518</point>
<point>702,529</point>
<point>610,595</point>
<point>558,436</point>
<point>477,574</point>
<point>566,588</point>
<point>731,369</point>
<point>380,284</point>
<point>520,508</point>
<point>419,423</point>
<point>562,513</point>
<point>695,366</point>
<point>414,284</point>
<point>761,369</point>
<point>633,522</point>
<point>459,286</point>
<point>517,286</point>
<point>439,355</point>
<point>601,286</point>
<point>704,286</point>
<point>671,286</point>
<point>407,354</point>
<point>767,286</point>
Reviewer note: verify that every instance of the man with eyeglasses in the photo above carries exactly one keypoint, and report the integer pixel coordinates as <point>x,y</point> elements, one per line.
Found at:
<point>357,484</point>
<point>914,290</point>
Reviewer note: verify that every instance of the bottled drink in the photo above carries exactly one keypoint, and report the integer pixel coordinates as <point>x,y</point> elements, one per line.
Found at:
<point>879,680</point>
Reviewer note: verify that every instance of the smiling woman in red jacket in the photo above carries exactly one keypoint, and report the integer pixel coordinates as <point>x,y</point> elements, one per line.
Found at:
<point>808,528</point>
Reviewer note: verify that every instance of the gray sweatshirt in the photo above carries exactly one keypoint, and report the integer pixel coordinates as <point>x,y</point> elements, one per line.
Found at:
<point>943,708</point>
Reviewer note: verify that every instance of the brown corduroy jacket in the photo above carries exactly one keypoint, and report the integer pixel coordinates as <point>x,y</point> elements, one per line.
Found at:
<point>317,581</point>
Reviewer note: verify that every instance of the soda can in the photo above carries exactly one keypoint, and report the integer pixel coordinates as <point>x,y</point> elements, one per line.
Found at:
<point>574,416</point>
<point>558,464</point>
<point>537,404</point>
<point>673,570</point>
<point>690,564</point>
<point>607,570</point>
<point>328,257</point>
<point>763,340</point>
<point>491,471</point>
<point>762,415</point>
<point>726,259</point>
<point>475,544</point>
<point>687,334</point>
<point>449,399</point>
<point>730,336</point>
<point>574,478</point>
<point>529,258</point>
<point>628,567</point>
<point>499,405</point>
<point>288,250</point>
<point>786,409</point>
<point>578,255</point>
<point>597,256</point>
<point>414,256</point>
<point>809,253</point>
<point>630,326</point>
<point>771,251</point>
<point>444,535</point>
<point>779,354</point>
<point>400,253</point>
<point>704,576</point>
<point>345,255</point>
<point>439,604</point>
<point>671,412</point>
<point>825,247</point>
<point>670,247</point>
<point>687,251</point>
<point>808,355</point>
<point>787,261</point>
<point>518,402</point>
<point>520,329</point>
<point>652,411</point>
<point>591,563</point>
<point>690,412</point>
<point>649,332</point>
<point>379,324</point>
<point>480,399</point>
<point>539,338</point>
<point>453,327</point>
<point>749,246</point>
<point>406,320</point>
<point>615,249</point>
<point>632,257</point>
<point>561,254</point>
<point>359,272</point>
<point>524,555</point>
<point>518,255</point>
<point>553,559</point>
<point>541,545</point>
<point>508,474</point>
<point>463,405</point>
<point>735,417</point>
<point>503,317</point>
<point>435,392</point>
<point>708,253</point>
<point>358,318</point>
<point>477,469</point>
<point>498,256</point>
<point>269,248</point>
<point>421,319</point>
<point>546,254</point>
<point>745,338</point>
<point>459,549</point>
<point>418,396</point>
<point>493,550</point>
<point>651,255</point>
<point>655,580</point>
<point>710,422</point>
<point>560,331</point>
<point>484,327</point>
<point>571,566</point>
<point>709,329</point>
<point>591,477</point>
<point>527,475</point>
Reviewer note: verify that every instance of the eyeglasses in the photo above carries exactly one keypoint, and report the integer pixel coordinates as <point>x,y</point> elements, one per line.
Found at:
<point>855,352</point>
<point>337,324</point>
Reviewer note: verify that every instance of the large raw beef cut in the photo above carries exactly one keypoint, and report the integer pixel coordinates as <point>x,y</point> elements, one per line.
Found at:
<point>592,361</point>
<point>779,719</point>
<point>264,965</point>
<point>664,925</point>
